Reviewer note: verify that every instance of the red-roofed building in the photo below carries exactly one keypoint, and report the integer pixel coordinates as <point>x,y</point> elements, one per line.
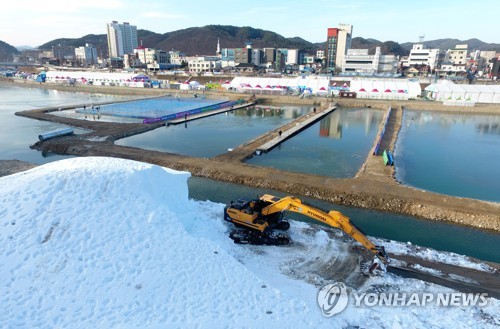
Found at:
<point>338,40</point>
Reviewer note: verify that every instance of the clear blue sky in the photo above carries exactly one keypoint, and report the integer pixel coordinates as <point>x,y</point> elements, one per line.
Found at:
<point>34,22</point>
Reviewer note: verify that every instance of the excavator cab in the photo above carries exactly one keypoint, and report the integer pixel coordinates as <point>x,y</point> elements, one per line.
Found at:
<point>255,227</point>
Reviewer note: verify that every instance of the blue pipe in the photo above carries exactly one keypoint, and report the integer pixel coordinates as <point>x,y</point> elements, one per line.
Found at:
<point>56,133</point>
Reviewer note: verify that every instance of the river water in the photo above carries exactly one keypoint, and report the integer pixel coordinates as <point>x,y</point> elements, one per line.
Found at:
<point>216,134</point>
<point>17,133</point>
<point>336,146</point>
<point>453,154</point>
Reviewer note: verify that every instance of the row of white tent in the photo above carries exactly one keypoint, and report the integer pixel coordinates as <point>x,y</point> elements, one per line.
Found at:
<point>314,85</point>
<point>386,88</point>
<point>100,78</point>
<point>451,92</point>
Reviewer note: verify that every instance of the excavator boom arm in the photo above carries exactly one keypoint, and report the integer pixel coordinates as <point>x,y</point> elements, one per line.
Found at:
<point>331,218</point>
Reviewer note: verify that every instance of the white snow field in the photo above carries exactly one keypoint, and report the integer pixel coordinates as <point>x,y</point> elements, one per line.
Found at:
<point>110,243</point>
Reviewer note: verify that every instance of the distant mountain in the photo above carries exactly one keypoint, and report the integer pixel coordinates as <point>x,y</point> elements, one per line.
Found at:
<point>195,40</point>
<point>100,41</point>
<point>203,41</point>
<point>7,52</point>
<point>21,48</point>
<point>444,44</point>
<point>386,47</point>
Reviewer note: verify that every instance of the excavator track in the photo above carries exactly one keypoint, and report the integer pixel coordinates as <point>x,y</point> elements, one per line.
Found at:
<point>259,238</point>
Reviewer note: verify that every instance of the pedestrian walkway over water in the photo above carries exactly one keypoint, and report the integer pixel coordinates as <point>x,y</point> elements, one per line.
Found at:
<point>374,166</point>
<point>388,139</point>
<point>187,118</point>
<point>284,135</point>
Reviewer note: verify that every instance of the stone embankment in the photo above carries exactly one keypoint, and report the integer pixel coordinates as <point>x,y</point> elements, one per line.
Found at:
<point>374,187</point>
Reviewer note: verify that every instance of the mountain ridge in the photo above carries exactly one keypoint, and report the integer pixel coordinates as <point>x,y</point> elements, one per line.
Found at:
<point>203,41</point>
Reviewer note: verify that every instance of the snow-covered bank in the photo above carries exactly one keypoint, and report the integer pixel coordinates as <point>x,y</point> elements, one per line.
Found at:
<point>108,243</point>
<point>99,242</point>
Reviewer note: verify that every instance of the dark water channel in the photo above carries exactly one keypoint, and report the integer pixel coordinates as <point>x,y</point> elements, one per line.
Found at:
<point>437,235</point>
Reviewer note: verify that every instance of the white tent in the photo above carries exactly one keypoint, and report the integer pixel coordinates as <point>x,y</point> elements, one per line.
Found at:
<point>496,96</point>
<point>314,84</point>
<point>485,94</point>
<point>376,90</point>
<point>97,78</point>
<point>451,92</point>
<point>363,88</point>
<point>390,90</point>
<point>471,93</point>
<point>439,92</point>
<point>185,86</point>
<point>386,88</point>
<point>458,92</point>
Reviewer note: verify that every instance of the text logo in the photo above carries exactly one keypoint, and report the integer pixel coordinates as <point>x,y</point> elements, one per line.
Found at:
<point>333,299</point>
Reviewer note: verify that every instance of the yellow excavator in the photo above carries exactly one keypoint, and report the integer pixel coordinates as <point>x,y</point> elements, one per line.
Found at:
<point>261,219</point>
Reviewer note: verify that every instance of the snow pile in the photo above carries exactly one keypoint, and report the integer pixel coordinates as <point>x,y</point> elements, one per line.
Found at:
<point>112,243</point>
<point>98,242</point>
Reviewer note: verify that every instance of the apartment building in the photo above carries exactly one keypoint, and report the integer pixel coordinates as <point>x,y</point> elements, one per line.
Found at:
<point>86,55</point>
<point>484,62</point>
<point>63,52</point>
<point>455,59</point>
<point>338,41</point>
<point>151,56</point>
<point>203,63</point>
<point>122,38</point>
<point>419,56</point>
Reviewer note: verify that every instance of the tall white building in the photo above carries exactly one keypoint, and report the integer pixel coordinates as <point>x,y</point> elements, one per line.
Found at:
<point>421,56</point>
<point>122,38</point>
<point>338,40</point>
<point>343,43</point>
<point>87,54</point>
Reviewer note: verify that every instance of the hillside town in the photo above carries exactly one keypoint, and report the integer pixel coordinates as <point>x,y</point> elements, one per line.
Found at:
<point>126,52</point>
<point>332,71</point>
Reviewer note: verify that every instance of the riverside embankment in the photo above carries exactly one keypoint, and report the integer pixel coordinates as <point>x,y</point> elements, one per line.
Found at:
<point>374,187</point>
